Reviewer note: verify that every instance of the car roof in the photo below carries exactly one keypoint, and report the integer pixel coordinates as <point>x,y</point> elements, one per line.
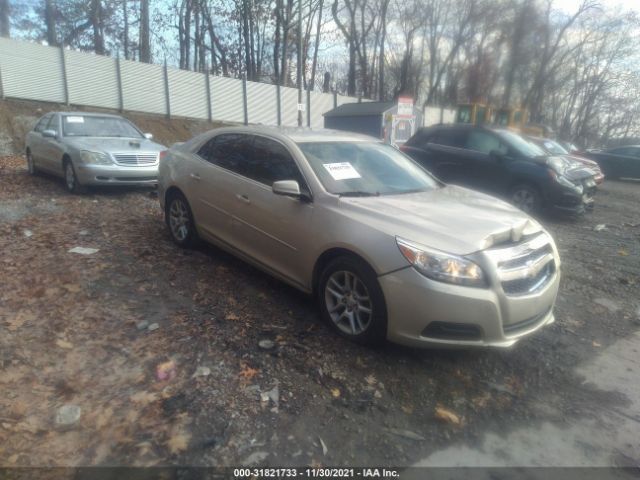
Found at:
<point>87,114</point>
<point>466,126</point>
<point>299,134</point>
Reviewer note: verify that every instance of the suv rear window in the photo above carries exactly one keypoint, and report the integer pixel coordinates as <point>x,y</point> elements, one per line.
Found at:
<point>449,137</point>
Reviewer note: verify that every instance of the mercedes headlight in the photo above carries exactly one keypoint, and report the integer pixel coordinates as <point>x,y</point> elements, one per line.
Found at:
<point>95,158</point>
<point>442,266</point>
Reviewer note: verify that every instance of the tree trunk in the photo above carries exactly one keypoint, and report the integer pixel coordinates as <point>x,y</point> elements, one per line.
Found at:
<point>125,15</point>
<point>50,23</point>
<point>145,45</point>
<point>98,28</point>
<point>314,63</point>
<point>5,26</point>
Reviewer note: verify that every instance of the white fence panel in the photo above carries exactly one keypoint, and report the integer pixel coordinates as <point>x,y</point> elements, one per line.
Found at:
<point>433,115</point>
<point>92,80</point>
<point>342,99</point>
<point>188,93</point>
<point>31,71</point>
<point>289,97</point>
<point>226,99</point>
<point>262,101</point>
<point>320,103</point>
<point>143,87</point>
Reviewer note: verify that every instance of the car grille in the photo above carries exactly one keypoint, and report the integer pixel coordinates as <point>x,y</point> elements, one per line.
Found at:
<point>525,268</point>
<point>136,159</point>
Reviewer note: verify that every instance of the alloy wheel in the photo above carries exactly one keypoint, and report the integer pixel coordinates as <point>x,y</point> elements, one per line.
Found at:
<point>70,177</point>
<point>524,199</point>
<point>348,302</point>
<point>30,166</point>
<point>179,221</point>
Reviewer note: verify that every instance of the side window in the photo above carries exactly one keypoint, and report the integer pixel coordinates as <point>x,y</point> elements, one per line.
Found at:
<point>229,151</point>
<point>42,123</point>
<point>484,142</point>
<point>622,151</point>
<point>448,138</point>
<point>420,139</point>
<point>52,124</point>
<point>270,162</point>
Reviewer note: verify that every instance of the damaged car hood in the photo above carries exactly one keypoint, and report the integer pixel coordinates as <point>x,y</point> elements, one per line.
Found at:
<point>452,219</point>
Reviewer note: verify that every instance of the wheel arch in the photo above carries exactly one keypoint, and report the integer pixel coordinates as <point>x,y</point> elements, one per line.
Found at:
<point>326,257</point>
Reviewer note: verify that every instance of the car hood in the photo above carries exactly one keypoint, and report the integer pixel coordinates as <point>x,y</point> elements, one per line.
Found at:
<point>453,219</point>
<point>583,160</point>
<point>114,144</point>
<point>572,169</point>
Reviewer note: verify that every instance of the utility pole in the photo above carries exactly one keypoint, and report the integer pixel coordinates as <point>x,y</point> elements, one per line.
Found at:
<point>300,63</point>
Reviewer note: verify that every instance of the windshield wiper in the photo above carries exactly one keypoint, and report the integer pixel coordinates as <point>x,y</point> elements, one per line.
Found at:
<point>359,193</point>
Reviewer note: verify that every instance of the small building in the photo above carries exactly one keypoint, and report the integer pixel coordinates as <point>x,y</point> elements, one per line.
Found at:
<point>382,120</point>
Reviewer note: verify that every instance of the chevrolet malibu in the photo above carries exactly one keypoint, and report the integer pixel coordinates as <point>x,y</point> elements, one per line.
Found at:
<point>92,149</point>
<point>388,250</point>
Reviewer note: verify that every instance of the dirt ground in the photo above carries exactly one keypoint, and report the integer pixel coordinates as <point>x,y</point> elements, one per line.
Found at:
<point>78,330</point>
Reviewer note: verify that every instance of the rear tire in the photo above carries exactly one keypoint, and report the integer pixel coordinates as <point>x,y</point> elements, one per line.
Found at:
<point>526,197</point>
<point>352,302</point>
<point>31,165</point>
<point>180,221</point>
<point>71,179</point>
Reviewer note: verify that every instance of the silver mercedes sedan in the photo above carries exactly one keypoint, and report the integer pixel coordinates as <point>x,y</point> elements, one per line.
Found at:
<point>92,149</point>
<point>389,251</point>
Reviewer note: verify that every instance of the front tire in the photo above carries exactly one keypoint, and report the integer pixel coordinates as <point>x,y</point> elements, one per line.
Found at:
<point>31,166</point>
<point>180,221</point>
<point>352,302</point>
<point>526,197</point>
<point>71,179</point>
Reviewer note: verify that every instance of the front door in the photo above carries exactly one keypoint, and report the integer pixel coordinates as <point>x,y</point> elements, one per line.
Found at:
<point>268,227</point>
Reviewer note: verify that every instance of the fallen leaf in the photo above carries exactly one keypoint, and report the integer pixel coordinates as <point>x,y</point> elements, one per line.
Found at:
<point>445,415</point>
<point>64,344</point>
<point>596,344</point>
<point>166,371</point>
<point>247,372</point>
<point>335,392</point>
<point>622,252</point>
<point>406,434</point>
<point>408,409</point>
<point>232,317</point>
<point>370,379</point>
<point>178,442</point>
<point>144,397</point>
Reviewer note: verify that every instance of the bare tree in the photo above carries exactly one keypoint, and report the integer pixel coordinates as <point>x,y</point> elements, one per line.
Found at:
<point>5,26</point>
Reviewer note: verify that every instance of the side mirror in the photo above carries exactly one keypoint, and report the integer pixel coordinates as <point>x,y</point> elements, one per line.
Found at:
<point>289,188</point>
<point>148,136</point>
<point>49,133</point>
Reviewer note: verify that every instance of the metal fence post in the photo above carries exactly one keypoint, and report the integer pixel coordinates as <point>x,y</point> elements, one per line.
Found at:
<point>119,80</point>
<point>208,88</point>
<point>1,87</point>
<point>244,99</point>
<point>65,83</point>
<point>335,99</point>
<point>279,107</point>
<point>166,88</point>
<point>309,108</point>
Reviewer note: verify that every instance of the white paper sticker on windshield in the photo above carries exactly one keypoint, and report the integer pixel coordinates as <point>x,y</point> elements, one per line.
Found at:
<point>75,119</point>
<point>341,171</point>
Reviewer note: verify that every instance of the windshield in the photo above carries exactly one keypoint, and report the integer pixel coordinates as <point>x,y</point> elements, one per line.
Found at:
<point>552,147</point>
<point>521,145</point>
<point>92,126</point>
<point>362,168</point>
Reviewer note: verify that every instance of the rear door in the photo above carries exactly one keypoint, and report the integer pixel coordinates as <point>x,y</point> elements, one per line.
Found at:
<point>447,157</point>
<point>212,183</point>
<point>486,156</point>
<point>36,140</point>
<point>52,149</point>
<point>272,229</point>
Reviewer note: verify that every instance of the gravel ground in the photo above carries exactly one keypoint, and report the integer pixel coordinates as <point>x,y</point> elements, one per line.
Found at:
<point>159,348</point>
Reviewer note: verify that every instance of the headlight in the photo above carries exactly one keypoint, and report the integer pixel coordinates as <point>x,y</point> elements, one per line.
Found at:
<point>442,266</point>
<point>556,164</point>
<point>94,158</point>
<point>565,182</point>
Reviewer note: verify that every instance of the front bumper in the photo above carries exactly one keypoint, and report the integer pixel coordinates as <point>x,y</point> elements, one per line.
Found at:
<point>116,174</point>
<point>423,312</point>
<point>566,200</point>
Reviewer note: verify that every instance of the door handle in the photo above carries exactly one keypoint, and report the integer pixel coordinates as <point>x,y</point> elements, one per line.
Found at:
<point>195,176</point>
<point>243,198</point>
